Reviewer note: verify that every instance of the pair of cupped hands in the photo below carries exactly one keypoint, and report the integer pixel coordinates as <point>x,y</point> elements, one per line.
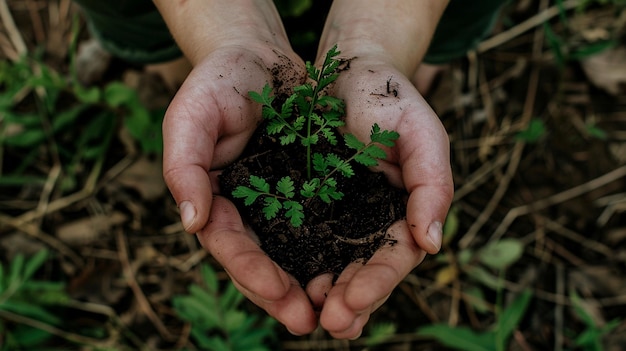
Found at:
<point>208,124</point>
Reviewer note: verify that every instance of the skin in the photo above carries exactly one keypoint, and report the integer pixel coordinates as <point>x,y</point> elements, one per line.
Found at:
<point>233,47</point>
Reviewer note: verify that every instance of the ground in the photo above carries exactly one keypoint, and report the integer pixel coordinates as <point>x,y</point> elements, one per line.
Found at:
<point>537,125</point>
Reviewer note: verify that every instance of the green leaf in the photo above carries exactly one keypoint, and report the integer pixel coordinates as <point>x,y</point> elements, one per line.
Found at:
<point>329,135</point>
<point>328,191</point>
<point>231,298</point>
<point>294,212</point>
<point>309,188</point>
<point>365,160</point>
<point>460,338</point>
<point>89,95</point>
<point>312,71</point>
<point>298,124</point>
<point>287,107</point>
<point>117,94</point>
<point>375,152</point>
<point>285,186</point>
<point>33,264</point>
<point>333,103</point>
<point>250,195</point>
<point>305,90</point>
<point>271,207</point>
<point>341,165</point>
<point>483,276</point>
<point>312,140</point>
<point>28,309</point>
<point>319,164</point>
<point>266,95</point>
<point>260,184</point>
<point>327,80</point>
<point>535,130</point>
<point>289,137</point>
<point>196,312</point>
<point>209,278</point>
<point>385,137</point>
<point>509,320</point>
<point>501,254</point>
<point>596,132</point>
<point>380,333</point>
<point>275,126</point>
<point>353,142</point>
<point>15,270</point>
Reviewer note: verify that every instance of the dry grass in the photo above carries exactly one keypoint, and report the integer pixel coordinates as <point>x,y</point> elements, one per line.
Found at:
<point>563,196</point>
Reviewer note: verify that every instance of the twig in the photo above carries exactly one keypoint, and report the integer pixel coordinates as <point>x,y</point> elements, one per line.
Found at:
<point>10,316</point>
<point>558,309</point>
<point>35,19</point>
<point>563,196</point>
<point>48,239</point>
<point>11,28</point>
<point>480,176</point>
<point>527,25</point>
<point>142,300</point>
<point>518,148</point>
<point>579,238</point>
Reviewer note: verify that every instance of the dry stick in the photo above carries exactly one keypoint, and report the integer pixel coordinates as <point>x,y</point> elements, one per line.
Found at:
<point>558,198</point>
<point>596,246</point>
<point>48,239</point>
<point>91,186</point>
<point>558,309</point>
<point>14,33</point>
<point>35,19</point>
<point>518,148</point>
<point>142,300</point>
<point>480,176</point>
<point>527,25</point>
<point>19,319</point>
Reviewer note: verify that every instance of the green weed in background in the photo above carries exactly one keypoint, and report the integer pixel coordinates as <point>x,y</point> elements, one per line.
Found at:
<point>591,338</point>
<point>494,339</point>
<point>25,301</point>
<point>218,323</point>
<point>46,118</point>
<point>565,47</point>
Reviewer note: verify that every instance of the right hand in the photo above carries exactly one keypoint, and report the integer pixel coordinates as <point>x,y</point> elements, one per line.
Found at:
<point>206,127</point>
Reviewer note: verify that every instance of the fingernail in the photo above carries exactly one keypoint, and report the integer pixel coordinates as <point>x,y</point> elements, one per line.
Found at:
<point>435,234</point>
<point>294,333</point>
<point>357,336</point>
<point>187,214</point>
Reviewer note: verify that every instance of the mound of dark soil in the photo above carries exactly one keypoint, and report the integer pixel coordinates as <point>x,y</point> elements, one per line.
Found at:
<point>332,235</point>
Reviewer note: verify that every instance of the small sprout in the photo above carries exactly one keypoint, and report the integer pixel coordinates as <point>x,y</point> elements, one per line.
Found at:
<point>306,117</point>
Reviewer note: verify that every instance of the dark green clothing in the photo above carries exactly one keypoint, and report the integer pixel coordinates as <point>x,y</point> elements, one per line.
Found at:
<point>461,28</point>
<point>130,29</point>
<point>133,29</point>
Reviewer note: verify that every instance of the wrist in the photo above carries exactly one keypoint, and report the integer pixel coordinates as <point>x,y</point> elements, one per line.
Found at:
<point>201,27</point>
<point>396,33</point>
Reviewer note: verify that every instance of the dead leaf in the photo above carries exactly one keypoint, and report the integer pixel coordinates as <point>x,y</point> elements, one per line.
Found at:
<point>89,229</point>
<point>607,70</point>
<point>145,176</point>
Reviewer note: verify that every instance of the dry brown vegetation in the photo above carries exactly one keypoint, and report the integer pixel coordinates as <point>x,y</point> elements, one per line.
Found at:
<point>537,123</point>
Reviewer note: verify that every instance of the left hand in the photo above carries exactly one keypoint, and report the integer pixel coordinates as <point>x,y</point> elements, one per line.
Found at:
<point>375,92</point>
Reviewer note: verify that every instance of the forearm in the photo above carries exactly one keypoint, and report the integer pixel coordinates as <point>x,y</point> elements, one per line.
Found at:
<point>397,31</point>
<point>201,26</point>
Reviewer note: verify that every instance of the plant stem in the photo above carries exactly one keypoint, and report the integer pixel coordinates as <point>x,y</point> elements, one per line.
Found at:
<point>308,117</point>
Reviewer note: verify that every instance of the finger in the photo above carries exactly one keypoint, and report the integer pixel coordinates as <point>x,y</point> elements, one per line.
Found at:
<point>187,155</point>
<point>292,310</point>
<point>317,289</point>
<point>253,272</point>
<point>361,289</point>
<point>427,176</point>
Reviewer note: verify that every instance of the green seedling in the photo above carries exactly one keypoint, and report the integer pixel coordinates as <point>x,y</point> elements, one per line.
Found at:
<point>305,117</point>
<point>218,322</point>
